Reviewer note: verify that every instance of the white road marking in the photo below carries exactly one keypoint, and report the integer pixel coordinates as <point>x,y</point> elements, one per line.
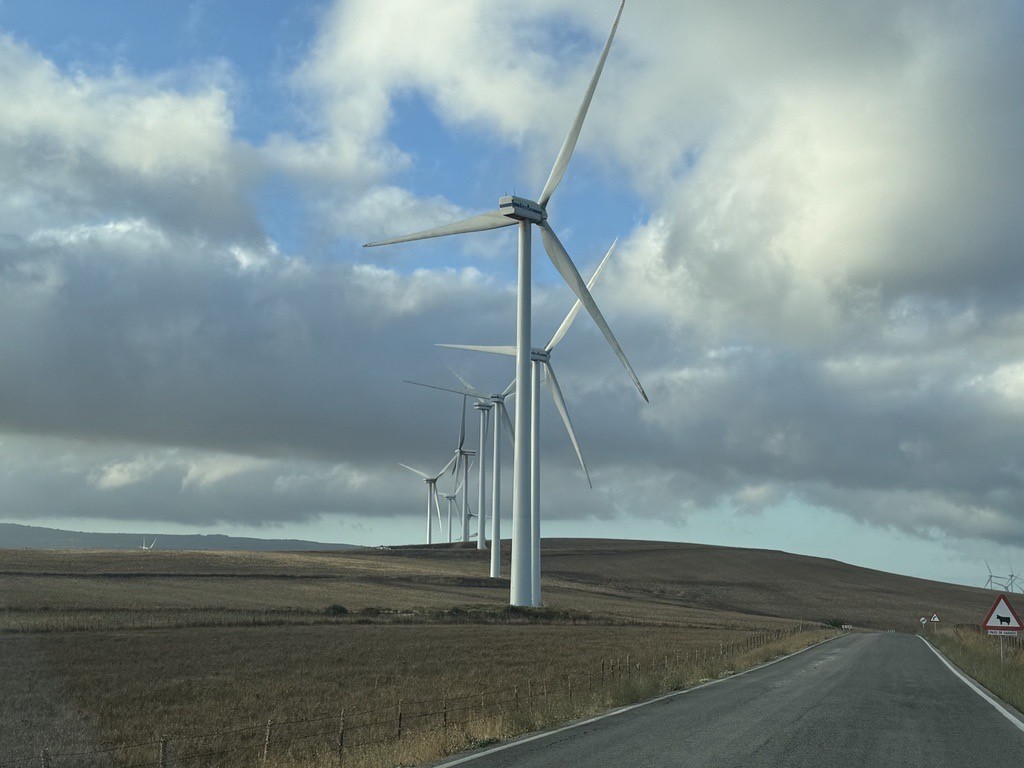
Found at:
<point>621,710</point>
<point>976,688</point>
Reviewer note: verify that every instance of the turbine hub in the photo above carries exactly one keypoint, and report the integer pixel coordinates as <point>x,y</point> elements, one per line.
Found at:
<point>520,208</point>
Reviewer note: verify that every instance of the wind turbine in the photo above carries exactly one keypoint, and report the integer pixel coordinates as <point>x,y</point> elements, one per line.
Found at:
<point>150,544</point>
<point>993,580</point>
<point>1012,581</point>
<point>524,213</point>
<point>541,359</point>
<point>431,481</point>
<point>462,457</point>
<point>449,497</point>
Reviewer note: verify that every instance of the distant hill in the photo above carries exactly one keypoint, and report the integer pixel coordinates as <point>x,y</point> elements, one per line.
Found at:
<point>13,536</point>
<point>756,582</point>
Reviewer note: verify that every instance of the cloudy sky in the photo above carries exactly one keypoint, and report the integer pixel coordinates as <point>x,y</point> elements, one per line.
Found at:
<point>819,277</point>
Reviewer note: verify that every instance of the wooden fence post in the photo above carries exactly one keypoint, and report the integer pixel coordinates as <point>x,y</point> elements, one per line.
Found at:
<point>266,740</point>
<point>446,712</point>
<point>163,752</point>
<point>399,718</point>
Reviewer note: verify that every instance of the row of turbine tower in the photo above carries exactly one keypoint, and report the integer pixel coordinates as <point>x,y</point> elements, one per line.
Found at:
<point>461,459</point>
<point>530,363</point>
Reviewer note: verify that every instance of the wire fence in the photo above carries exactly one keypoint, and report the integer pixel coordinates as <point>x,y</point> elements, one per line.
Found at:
<point>336,736</point>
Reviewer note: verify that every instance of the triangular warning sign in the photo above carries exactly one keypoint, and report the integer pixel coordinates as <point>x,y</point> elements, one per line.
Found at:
<point>1002,616</point>
<point>935,617</point>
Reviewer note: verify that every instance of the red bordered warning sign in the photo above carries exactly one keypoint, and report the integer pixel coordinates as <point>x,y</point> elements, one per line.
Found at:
<point>1002,619</point>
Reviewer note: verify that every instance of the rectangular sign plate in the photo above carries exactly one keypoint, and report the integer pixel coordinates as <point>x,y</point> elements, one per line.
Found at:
<point>1003,632</point>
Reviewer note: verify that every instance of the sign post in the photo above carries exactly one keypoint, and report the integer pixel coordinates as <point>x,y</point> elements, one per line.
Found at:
<point>1002,621</point>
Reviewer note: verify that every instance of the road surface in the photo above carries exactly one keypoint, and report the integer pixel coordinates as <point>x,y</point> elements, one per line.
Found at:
<point>880,700</point>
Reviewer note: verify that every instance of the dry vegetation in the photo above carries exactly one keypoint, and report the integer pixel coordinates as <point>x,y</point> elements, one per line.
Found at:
<point>977,654</point>
<point>119,647</point>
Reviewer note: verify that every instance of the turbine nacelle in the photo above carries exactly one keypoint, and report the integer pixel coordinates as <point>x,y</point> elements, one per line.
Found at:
<point>521,209</point>
<point>540,355</point>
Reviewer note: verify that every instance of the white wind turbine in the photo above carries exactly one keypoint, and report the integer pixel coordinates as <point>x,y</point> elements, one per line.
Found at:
<point>541,359</point>
<point>431,481</point>
<point>497,401</point>
<point>1013,581</point>
<point>993,581</point>
<point>462,459</point>
<point>150,543</point>
<point>524,213</point>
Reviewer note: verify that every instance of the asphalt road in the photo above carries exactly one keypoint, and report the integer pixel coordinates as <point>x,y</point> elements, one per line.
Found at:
<point>860,700</point>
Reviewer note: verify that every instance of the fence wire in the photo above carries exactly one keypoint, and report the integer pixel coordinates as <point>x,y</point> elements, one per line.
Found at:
<point>351,729</point>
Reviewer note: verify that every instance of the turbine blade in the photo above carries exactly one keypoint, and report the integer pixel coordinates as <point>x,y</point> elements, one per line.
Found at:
<point>462,425</point>
<point>562,161</point>
<point>437,506</point>
<point>465,383</point>
<point>424,475</point>
<point>556,395</point>
<point>443,389</point>
<point>445,467</point>
<point>564,327</point>
<point>509,429</point>
<point>494,350</point>
<point>510,390</point>
<point>479,223</point>
<point>557,253</point>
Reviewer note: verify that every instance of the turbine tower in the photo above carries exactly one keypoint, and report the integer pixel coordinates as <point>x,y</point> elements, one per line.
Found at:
<point>541,358</point>
<point>431,481</point>
<point>525,214</point>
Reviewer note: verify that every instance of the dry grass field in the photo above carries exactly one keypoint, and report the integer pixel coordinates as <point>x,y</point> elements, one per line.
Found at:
<point>109,648</point>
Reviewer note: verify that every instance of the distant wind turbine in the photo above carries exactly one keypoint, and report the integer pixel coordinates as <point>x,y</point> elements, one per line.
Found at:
<point>431,481</point>
<point>994,581</point>
<point>150,543</point>
<point>525,214</point>
<point>1012,581</point>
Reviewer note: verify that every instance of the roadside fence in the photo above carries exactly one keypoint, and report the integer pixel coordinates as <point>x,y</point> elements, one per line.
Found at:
<point>336,737</point>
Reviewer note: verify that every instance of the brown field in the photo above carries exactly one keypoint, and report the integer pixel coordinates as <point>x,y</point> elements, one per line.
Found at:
<point>116,647</point>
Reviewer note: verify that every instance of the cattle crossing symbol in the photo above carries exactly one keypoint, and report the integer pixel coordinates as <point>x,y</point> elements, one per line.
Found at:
<point>1002,619</point>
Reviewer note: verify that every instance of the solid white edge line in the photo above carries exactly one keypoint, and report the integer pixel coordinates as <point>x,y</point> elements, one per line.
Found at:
<point>976,688</point>
<point>621,710</point>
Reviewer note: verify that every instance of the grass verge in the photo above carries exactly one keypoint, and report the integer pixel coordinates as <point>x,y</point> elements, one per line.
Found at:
<point>978,655</point>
